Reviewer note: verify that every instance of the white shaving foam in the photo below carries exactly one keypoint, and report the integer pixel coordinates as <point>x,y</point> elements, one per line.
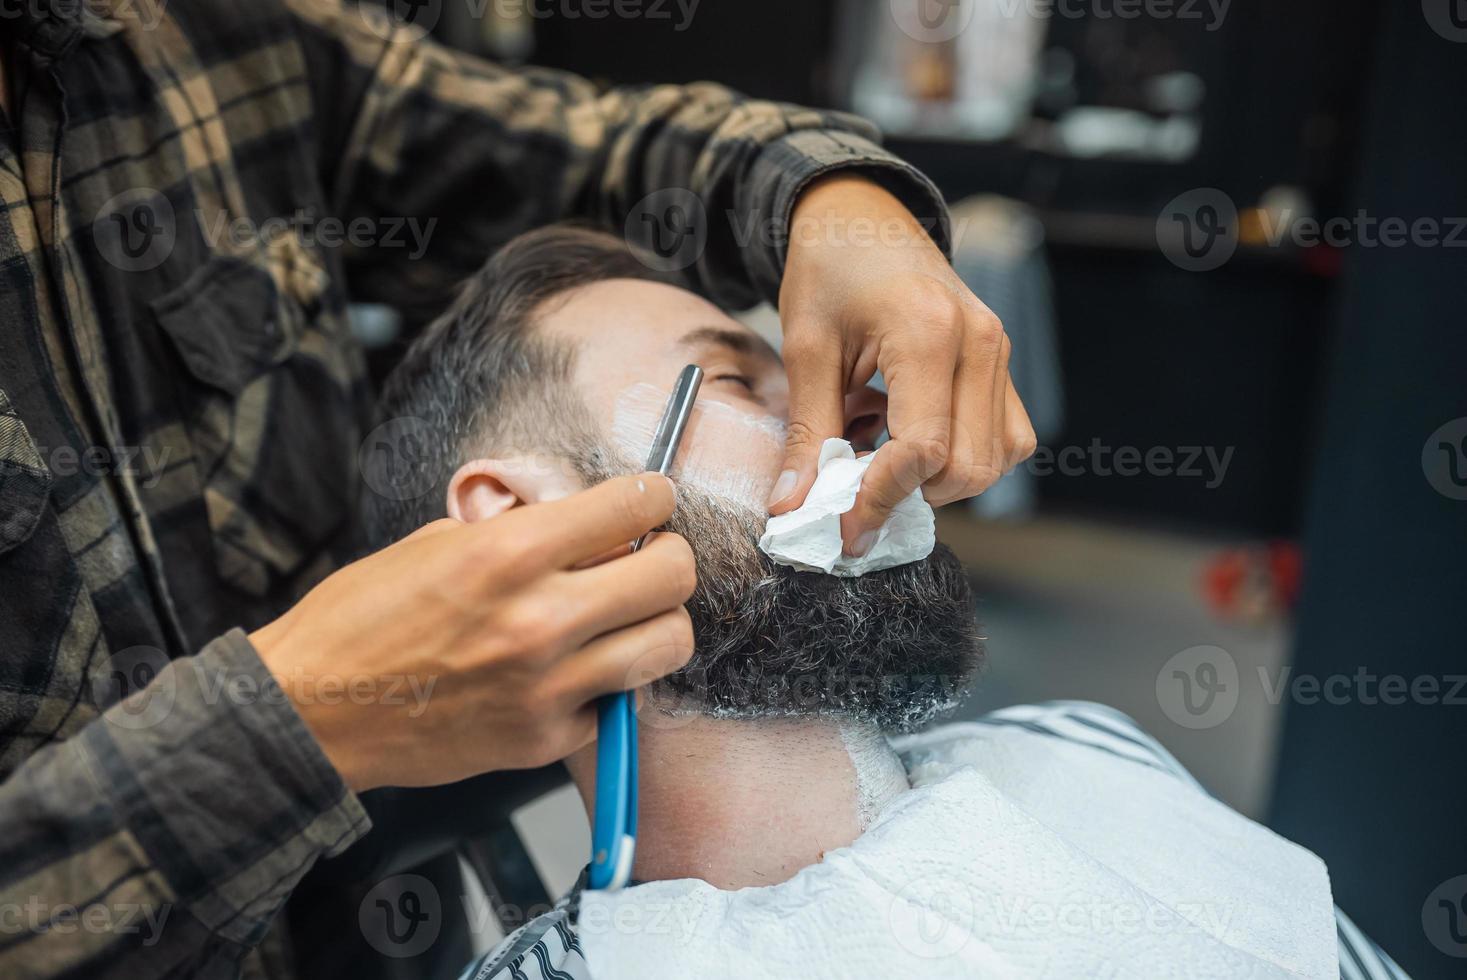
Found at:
<point>880,775</point>
<point>725,452</point>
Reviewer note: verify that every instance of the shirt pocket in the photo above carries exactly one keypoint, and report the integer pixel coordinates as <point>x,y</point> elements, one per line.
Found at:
<point>25,479</point>
<point>270,404</point>
<point>51,629</point>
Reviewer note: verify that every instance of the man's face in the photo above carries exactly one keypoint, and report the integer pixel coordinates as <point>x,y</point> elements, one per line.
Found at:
<point>634,337</point>
<point>891,647</point>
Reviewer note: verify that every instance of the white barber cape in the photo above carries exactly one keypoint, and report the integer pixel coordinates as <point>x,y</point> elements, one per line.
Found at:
<point>1043,841</point>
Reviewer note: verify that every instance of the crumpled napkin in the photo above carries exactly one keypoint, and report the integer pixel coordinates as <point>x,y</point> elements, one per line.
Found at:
<point>808,538</point>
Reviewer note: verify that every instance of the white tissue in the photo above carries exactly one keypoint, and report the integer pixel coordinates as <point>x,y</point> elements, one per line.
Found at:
<point>808,538</point>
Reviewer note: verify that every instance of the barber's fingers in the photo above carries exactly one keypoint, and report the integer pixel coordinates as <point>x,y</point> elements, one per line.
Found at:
<point>978,456</point>
<point>628,658</point>
<point>563,533</point>
<point>570,733</point>
<point>817,384</point>
<point>1021,439</point>
<point>610,554</point>
<point>626,590</point>
<point>919,417</point>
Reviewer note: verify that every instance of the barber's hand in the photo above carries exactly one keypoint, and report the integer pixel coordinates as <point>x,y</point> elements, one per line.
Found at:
<point>865,289</point>
<point>515,638</point>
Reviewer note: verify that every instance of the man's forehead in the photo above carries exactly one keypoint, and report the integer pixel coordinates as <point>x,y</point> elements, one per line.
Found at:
<point>733,335</point>
<point>647,315</point>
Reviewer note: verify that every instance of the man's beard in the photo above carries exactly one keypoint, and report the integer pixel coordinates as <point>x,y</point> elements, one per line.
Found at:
<point>894,647</point>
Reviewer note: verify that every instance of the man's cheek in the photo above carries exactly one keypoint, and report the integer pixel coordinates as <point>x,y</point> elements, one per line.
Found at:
<point>726,453</point>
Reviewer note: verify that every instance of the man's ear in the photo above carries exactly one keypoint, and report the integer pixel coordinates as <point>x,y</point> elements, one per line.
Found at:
<point>485,488</point>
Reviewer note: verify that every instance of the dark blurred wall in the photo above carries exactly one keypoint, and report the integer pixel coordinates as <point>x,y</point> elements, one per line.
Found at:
<point>772,49</point>
<point>1358,103</point>
<point>1378,790</point>
<point>1153,356</point>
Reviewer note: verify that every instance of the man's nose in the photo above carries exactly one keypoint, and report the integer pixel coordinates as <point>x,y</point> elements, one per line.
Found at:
<point>865,418</point>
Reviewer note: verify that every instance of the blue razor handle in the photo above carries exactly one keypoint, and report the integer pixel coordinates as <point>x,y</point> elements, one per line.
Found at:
<point>614,831</point>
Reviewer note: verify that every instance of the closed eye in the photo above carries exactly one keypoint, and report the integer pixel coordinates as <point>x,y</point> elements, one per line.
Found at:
<point>738,379</point>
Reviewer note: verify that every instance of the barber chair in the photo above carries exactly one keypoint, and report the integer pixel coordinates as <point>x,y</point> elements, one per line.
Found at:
<point>424,832</point>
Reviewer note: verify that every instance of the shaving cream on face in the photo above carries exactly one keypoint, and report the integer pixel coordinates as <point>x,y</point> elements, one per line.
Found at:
<point>725,452</point>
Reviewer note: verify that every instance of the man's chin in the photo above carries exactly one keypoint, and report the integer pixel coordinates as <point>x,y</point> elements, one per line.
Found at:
<point>896,647</point>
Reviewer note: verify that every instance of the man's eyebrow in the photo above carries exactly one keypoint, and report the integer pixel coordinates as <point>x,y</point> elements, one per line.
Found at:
<point>739,341</point>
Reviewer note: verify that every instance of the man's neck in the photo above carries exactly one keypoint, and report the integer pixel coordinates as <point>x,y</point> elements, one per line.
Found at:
<point>742,803</point>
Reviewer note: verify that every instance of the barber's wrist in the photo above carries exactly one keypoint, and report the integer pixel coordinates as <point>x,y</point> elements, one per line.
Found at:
<point>331,726</point>
<point>853,206</point>
<point>844,187</point>
<point>800,161</point>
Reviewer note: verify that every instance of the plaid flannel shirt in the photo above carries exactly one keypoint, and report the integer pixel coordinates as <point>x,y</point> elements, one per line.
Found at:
<point>181,401</point>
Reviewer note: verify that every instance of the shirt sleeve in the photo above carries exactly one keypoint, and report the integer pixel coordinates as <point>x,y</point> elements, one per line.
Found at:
<point>411,129</point>
<point>164,836</point>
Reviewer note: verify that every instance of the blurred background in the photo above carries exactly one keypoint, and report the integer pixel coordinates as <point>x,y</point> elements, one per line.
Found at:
<point>1208,229</point>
